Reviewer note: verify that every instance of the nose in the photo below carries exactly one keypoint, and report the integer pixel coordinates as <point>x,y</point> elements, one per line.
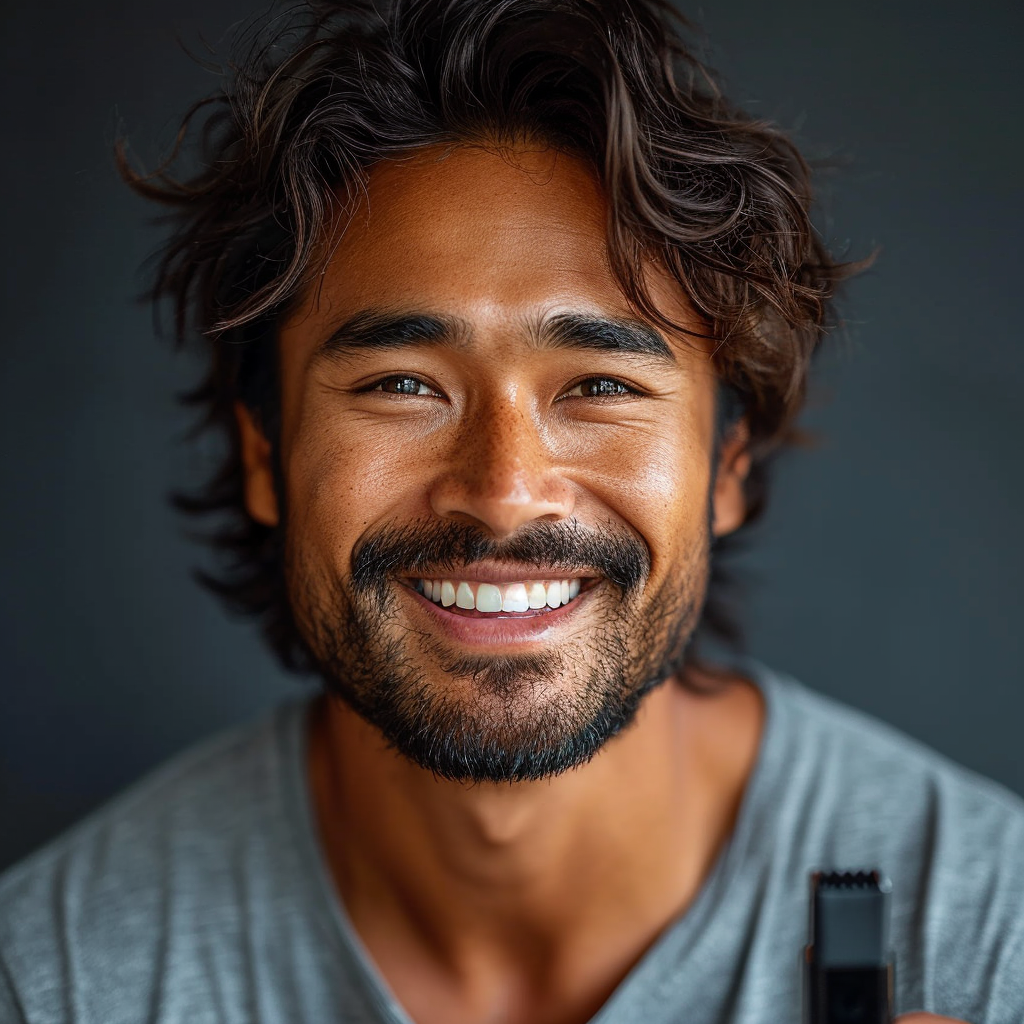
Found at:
<point>499,472</point>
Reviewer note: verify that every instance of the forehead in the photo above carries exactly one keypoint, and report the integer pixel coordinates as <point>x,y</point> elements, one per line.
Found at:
<point>480,234</point>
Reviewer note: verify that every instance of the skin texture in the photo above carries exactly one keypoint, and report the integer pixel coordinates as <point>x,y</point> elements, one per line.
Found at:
<point>493,902</point>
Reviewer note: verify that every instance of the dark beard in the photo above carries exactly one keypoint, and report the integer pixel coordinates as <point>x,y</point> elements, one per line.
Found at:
<point>516,724</point>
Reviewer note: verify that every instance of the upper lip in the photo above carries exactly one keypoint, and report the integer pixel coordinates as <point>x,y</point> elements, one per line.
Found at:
<point>498,572</point>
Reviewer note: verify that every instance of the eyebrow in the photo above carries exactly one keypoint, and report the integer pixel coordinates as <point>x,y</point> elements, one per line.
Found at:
<point>384,329</point>
<point>575,330</point>
<point>381,329</point>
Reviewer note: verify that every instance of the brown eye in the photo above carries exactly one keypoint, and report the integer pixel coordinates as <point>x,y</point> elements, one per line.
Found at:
<point>404,386</point>
<point>599,387</point>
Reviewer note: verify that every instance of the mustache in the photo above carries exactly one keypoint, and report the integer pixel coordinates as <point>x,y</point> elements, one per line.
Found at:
<point>442,548</point>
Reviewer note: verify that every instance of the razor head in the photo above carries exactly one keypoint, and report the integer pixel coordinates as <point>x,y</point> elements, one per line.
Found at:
<point>850,918</point>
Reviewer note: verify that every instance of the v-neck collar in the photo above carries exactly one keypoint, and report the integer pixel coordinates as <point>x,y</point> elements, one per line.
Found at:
<point>679,941</point>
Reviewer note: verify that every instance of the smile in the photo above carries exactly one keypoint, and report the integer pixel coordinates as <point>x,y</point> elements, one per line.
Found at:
<point>499,598</point>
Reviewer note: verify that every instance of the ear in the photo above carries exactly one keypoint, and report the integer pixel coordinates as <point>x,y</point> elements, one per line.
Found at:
<point>258,466</point>
<point>729,503</point>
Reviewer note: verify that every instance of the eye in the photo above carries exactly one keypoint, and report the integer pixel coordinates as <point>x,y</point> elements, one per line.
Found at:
<point>599,387</point>
<point>403,386</point>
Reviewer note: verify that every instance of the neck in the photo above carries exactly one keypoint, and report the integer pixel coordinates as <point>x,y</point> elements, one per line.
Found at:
<point>534,881</point>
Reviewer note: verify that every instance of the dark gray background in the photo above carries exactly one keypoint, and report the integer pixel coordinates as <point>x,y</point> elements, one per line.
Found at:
<point>888,573</point>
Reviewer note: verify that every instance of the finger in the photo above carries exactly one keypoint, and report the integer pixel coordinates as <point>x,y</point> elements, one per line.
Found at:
<point>926,1018</point>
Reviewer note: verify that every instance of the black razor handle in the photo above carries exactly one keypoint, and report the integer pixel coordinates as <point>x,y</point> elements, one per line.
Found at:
<point>849,970</point>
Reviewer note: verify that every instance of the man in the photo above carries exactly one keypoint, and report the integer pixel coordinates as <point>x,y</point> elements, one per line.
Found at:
<point>507,308</point>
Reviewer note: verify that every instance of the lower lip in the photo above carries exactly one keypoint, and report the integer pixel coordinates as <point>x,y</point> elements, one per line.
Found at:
<point>496,629</point>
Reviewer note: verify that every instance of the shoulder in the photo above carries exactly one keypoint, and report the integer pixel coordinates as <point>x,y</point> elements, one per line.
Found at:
<point>862,794</point>
<point>215,789</point>
<point>875,779</point>
<point>99,900</point>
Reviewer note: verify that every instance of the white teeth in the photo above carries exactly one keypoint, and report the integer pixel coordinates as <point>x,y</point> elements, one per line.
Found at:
<point>488,597</point>
<point>516,599</point>
<point>504,597</point>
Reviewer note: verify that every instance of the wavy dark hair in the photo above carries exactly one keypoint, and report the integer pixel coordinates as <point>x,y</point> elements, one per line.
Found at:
<point>323,92</point>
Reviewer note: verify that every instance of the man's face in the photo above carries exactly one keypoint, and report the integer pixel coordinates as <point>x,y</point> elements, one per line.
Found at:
<point>498,487</point>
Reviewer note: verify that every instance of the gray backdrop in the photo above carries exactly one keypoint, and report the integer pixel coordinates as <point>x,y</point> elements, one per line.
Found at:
<point>888,573</point>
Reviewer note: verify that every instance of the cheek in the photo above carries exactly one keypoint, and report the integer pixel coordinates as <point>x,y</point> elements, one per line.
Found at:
<point>342,481</point>
<point>660,487</point>
<point>330,486</point>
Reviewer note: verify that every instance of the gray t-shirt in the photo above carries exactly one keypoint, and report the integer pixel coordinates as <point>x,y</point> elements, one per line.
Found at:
<point>200,895</point>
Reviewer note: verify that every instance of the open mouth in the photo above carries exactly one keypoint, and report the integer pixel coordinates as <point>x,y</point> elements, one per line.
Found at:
<point>525,597</point>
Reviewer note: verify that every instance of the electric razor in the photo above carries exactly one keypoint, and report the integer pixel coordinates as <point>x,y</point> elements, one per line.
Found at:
<point>849,969</point>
